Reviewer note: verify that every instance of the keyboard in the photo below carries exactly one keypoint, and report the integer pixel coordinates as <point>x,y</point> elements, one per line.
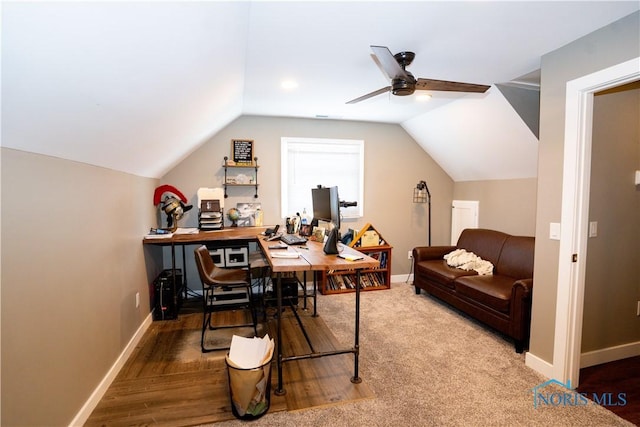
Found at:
<point>293,239</point>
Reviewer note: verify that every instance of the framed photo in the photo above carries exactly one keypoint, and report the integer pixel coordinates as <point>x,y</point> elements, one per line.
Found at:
<point>250,214</point>
<point>242,151</point>
<point>306,230</point>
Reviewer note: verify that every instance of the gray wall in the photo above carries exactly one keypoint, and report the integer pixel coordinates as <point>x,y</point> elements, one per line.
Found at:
<point>506,205</point>
<point>394,163</point>
<point>612,284</point>
<point>608,46</point>
<point>72,261</point>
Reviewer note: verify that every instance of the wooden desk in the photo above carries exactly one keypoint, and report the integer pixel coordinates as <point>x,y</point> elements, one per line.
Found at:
<point>233,234</point>
<point>313,258</point>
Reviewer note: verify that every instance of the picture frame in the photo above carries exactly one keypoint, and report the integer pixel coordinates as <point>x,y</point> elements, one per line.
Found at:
<point>242,151</point>
<point>248,217</point>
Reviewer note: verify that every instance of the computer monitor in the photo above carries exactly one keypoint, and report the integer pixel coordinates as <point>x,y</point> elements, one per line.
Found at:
<point>326,204</point>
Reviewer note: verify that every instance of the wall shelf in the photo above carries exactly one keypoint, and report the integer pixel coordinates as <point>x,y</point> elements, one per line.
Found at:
<point>232,166</point>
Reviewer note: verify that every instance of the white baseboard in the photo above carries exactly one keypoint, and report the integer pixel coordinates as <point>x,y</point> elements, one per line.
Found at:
<point>539,365</point>
<point>609,354</point>
<point>91,403</point>
<point>402,278</point>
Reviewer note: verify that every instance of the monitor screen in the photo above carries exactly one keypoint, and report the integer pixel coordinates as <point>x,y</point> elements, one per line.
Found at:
<point>326,204</point>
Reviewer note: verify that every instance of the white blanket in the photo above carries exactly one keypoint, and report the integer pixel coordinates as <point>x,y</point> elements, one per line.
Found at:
<point>460,258</point>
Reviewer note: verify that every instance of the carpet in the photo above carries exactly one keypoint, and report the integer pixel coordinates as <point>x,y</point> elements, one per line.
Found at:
<point>430,365</point>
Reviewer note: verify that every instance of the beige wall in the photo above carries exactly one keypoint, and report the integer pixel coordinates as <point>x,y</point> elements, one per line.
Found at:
<point>612,284</point>
<point>394,163</point>
<point>505,205</point>
<point>609,46</point>
<point>72,261</point>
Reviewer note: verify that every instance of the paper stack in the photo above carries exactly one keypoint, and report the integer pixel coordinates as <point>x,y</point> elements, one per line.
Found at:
<point>249,364</point>
<point>283,254</point>
<point>249,353</point>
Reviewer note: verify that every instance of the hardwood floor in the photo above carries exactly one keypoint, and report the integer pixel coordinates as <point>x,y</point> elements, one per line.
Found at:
<point>168,381</point>
<point>611,379</point>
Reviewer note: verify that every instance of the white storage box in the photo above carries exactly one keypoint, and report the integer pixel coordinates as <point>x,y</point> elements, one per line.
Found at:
<point>236,257</point>
<point>217,255</point>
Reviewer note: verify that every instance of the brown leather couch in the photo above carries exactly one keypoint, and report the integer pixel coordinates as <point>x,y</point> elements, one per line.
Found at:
<point>501,300</point>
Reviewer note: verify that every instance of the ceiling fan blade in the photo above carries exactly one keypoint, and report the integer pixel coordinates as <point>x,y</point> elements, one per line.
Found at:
<point>444,85</point>
<point>370,95</point>
<point>388,62</point>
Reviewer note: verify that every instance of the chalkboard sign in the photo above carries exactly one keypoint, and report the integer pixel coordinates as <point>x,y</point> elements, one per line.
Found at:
<point>242,151</point>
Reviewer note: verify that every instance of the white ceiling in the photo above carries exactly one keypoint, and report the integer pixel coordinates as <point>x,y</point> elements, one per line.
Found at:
<point>136,87</point>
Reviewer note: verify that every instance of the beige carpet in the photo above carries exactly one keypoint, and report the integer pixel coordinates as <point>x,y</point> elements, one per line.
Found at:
<point>431,366</point>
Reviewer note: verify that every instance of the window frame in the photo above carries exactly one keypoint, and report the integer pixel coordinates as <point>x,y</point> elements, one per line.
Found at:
<point>352,213</point>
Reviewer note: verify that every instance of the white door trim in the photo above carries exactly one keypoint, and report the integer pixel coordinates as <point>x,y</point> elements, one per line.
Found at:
<point>575,210</point>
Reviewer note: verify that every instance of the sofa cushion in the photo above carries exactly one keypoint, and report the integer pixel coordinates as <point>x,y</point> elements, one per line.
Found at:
<point>492,291</point>
<point>516,259</point>
<point>438,271</point>
<point>487,244</point>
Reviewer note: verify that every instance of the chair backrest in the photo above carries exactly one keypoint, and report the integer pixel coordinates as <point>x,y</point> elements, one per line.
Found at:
<point>205,264</point>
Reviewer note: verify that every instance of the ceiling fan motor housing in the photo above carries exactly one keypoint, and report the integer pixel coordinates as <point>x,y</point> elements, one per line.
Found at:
<point>403,87</point>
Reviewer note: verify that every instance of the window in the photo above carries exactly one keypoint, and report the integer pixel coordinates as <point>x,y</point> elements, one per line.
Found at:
<point>309,162</point>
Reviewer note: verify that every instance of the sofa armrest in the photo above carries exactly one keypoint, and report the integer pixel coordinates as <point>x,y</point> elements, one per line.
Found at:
<point>422,253</point>
<point>521,309</point>
<point>523,288</point>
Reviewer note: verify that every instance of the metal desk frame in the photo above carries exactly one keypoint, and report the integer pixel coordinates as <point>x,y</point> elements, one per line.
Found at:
<point>312,258</point>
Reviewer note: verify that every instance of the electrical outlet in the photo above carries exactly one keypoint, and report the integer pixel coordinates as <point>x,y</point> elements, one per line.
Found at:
<point>410,255</point>
<point>137,299</point>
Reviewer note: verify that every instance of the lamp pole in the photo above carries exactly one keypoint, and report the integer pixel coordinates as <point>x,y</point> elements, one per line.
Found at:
<point>429,210</point>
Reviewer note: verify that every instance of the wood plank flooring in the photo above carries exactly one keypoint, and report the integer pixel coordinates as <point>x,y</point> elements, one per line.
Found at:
<point>613,378</point>
<point>168,381</point>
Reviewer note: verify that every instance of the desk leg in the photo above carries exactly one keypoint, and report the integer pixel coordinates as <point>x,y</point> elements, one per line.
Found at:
<point>184,273</point>
<point>279,390</point>
<point>173,279</point>
<point>356,379</point>
<point>304,290</point>
<point>315,293</point>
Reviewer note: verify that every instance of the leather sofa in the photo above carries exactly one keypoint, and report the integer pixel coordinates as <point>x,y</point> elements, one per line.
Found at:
<point>501,300</point>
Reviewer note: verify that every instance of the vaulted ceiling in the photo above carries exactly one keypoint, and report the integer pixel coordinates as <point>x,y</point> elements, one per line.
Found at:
<point>137,86</point>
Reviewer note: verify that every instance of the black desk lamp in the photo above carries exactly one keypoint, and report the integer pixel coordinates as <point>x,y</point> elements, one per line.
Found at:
<point>421,194</point>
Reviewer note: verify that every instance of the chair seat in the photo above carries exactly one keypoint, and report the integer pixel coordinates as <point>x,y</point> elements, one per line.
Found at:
<point>229,277</point>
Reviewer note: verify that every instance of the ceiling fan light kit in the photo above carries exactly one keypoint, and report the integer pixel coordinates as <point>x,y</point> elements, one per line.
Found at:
<point>402,81</point>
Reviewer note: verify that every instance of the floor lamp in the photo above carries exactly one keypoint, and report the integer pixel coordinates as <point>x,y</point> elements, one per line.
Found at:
<point>421,194</point>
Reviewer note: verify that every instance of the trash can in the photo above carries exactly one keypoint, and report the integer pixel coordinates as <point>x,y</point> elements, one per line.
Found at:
<point>249,390</point>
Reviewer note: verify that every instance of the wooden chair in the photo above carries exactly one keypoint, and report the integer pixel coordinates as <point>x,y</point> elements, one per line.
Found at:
<point>222,289</point>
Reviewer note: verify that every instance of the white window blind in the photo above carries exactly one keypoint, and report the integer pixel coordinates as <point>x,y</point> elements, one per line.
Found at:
<point>309,162</point>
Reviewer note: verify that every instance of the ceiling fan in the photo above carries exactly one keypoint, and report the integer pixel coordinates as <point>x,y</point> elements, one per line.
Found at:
<point>403,83</point>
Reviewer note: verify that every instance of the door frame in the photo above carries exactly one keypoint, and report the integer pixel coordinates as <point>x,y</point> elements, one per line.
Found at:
<point>575,212</point>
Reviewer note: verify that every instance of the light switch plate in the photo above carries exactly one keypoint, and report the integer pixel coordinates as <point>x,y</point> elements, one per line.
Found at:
<point>593,229</point>
<point>554,231</point>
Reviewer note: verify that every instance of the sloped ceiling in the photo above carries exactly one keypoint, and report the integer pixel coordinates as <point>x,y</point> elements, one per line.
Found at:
<point>137,86</point>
